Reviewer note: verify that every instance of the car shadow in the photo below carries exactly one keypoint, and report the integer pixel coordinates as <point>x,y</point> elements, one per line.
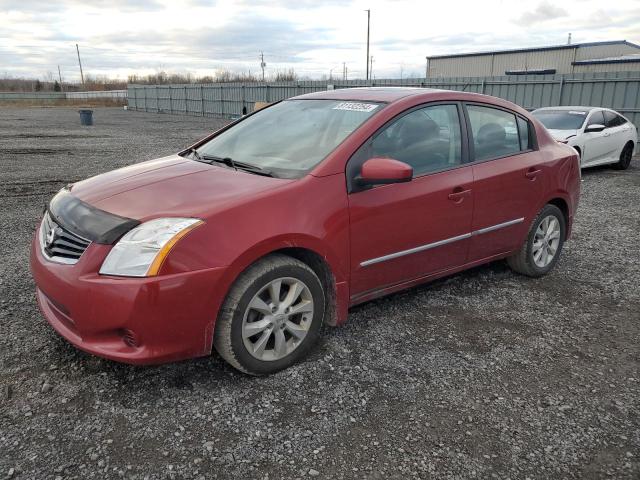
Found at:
<point>212,372</point>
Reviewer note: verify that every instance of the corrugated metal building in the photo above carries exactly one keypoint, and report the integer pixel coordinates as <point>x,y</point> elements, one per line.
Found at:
<point>618,55</point>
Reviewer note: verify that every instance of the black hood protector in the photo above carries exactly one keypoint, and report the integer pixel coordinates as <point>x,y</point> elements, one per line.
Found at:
<point>86,220</point>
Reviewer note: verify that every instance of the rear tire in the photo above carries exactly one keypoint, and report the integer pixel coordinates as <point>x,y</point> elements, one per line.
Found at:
<point>543,245</point>
<point>625,158</point>
<point>271,317</point>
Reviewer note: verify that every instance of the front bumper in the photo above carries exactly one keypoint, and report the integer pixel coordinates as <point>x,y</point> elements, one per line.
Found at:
<point>131,320</point>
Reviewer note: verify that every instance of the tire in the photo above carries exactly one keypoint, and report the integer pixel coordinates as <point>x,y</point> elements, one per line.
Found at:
<point>625,158</point>
<point>258,335</point>
<point>579,152</point>
<point>530,259</point>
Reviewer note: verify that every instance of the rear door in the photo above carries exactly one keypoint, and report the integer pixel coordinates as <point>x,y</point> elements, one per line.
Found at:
<point>616,133</point>
<point>405,231</point>
<point>508,182</point>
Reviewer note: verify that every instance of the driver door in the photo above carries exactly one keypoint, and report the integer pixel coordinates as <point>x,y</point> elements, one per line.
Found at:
<point>404,231</point>
<point>596,144</point>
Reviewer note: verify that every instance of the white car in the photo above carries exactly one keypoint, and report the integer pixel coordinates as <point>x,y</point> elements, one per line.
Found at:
<point>599,135</point>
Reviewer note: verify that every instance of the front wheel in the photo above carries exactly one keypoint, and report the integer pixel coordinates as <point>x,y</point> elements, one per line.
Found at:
<point>625,158</point>
<point>541,250</point>
<point>271,317</point>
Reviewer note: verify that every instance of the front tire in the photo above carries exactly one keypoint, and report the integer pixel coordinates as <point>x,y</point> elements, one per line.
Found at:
<point>625,158</point>
<point>542,247</point>
<point>271,317</point>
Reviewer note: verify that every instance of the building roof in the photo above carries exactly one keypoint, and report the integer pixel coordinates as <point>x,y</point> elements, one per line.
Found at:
<point>633,58</point>
<point>538,49</point>
<point>564,109</point>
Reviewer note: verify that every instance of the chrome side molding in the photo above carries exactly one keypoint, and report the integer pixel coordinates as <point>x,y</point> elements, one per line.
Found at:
<point>440,243</point>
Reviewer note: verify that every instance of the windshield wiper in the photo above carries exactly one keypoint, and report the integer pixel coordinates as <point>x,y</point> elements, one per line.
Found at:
<point>237,165</point>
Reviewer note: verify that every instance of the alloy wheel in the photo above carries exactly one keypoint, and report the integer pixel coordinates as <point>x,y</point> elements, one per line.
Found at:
<point>546,241</point>
<point>277,319</point>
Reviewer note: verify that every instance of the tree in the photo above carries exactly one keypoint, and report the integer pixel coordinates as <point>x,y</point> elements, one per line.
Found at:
<point>56,86</point>
<point>37,86</point>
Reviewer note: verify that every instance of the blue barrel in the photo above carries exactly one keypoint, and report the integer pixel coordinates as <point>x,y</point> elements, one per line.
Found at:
<point>86,117</point>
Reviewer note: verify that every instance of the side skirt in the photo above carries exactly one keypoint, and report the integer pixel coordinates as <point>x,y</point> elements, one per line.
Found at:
<point>389,289</point>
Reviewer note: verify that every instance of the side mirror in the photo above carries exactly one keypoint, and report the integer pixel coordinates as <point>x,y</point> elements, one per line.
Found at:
<point>383,171</point>
<point>596,127</point>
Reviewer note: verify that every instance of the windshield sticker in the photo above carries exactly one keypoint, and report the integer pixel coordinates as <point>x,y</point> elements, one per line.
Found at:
<point>356,107</point>
<point>573,112</point>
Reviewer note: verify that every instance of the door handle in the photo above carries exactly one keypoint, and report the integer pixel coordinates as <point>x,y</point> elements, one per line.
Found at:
<point>459,194</point>
<point>532,173</point>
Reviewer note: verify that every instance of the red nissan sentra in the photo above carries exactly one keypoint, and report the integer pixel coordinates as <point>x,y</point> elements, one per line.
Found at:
<point>252,238</point>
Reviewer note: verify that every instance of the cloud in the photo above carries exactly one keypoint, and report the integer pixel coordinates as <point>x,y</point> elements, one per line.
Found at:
<point>39,6</point>
<point>243,37</point>
<point>543,12</point>
<point>119,37</point>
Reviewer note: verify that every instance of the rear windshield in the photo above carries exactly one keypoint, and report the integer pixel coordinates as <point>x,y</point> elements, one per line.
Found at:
<point>290,138</point>
<point>561,119</point>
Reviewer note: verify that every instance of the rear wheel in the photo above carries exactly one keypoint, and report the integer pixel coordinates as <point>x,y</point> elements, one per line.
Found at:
<point>541,250</point>
<point>625,158</point>
<point>271,317</point>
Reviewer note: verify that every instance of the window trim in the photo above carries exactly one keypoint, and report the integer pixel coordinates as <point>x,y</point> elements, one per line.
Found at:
<point>533,138</point>
<point>354,164</point>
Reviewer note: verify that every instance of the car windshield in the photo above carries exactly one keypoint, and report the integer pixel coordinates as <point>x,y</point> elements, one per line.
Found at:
<point>561,119</point>
<point>290,138</point>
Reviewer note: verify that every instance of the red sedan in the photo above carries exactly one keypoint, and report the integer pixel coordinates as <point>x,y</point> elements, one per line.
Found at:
<point>252,238</point>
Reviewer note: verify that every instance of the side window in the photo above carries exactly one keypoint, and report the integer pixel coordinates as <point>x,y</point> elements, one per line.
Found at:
<point>428,139</point>
<point>495,132</point>
<point>596,118</point>
<point>610,119</point>
<point>613,119</point>
<point>524,133</point>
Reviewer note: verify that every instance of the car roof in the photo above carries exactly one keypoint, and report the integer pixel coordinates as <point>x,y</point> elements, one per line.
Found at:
<point>370,94</point>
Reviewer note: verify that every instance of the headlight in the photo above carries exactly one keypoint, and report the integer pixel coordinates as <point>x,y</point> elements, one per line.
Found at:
<point>141,251</point>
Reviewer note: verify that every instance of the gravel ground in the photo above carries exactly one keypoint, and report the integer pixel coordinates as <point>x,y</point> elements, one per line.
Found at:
<point>482,375</point>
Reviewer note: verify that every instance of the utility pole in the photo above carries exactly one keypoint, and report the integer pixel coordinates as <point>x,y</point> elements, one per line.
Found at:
<point>60,78</point>
<point>262,64</point>
<point>368,24</point>
<point>371,68</point>
<point>344,70</point>
<point>80,64</point>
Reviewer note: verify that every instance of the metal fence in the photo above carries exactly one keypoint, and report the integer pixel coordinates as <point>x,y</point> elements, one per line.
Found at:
<point>617,90</point>
<point>97,94</point>
<point>115,94</point>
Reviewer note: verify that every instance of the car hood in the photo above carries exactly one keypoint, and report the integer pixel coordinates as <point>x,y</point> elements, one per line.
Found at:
<point>563,134</point>
<point>171,186</point>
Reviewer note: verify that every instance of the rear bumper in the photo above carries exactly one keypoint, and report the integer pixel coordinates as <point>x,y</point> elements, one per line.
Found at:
<point>131,320</point>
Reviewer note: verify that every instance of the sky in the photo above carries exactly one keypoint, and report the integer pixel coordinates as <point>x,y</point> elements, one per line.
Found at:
<point>314,37</point>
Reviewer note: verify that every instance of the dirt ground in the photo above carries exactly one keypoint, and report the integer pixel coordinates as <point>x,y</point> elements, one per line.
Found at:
<point>485,374</point>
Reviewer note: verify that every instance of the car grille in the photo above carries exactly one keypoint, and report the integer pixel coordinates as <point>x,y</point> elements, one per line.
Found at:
<point>60,245</point>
